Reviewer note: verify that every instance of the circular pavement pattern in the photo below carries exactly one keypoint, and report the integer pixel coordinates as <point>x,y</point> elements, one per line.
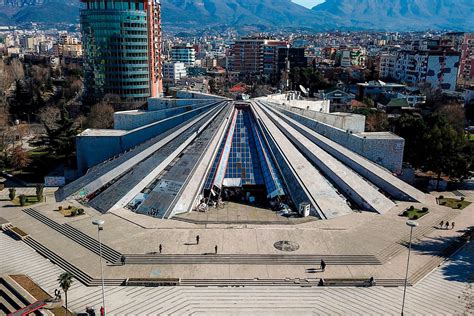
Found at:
<point>285,245</point>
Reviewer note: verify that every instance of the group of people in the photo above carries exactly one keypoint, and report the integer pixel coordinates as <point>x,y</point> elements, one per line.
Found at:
<point>446,225</point>
<point>198,238</point>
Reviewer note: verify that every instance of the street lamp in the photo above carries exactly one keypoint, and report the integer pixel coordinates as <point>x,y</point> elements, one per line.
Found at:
<point>100,223</point>
<point>411,224</point>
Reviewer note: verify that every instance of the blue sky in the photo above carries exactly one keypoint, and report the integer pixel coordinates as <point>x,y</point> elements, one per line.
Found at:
<point>308,3</point>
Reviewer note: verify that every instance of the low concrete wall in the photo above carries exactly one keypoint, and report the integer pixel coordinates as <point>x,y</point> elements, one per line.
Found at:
<point>94,148</point>
<point>155,104</point>
<point>187,94</point>
<point>129,120</point>
<point>345,121</point>
<point>377,147</point>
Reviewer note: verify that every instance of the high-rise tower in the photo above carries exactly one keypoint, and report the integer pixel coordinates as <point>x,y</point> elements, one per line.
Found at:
<point>122,48</point>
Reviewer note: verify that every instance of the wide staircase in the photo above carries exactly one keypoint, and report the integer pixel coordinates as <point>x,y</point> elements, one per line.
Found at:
<point>65,265</point>
<point>114,258</point>
<point>399,246</point>
<point>250,259</point>
<point>77,236</point>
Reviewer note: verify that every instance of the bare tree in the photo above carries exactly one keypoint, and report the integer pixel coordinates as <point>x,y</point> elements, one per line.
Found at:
<point>101,116</point>
<point>49,116</point>
<point>19,157</point>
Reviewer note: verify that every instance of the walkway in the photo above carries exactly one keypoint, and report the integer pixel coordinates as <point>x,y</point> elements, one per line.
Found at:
<point>438,294</point>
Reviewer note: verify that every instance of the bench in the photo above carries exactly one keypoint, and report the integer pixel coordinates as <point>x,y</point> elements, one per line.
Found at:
<point>348,282</point>
<point>152,282</point>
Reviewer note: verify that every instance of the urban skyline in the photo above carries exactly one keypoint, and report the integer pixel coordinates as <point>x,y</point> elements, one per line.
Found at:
<point>196,168</point>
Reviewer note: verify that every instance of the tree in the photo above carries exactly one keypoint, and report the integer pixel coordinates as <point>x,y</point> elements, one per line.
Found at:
<point>39,192</point>
<point>60,138</point>
<point>433,144</point>
<point>49,116</point>
<point>19,157</point>
<point>65,281</point>
<point>309,78</point>
<point>101,116</point>
<point>22,199</point>
<point>213,86</point>
<point>12,193</point>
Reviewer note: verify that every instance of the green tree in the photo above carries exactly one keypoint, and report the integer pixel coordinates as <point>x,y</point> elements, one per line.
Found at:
<point>65,281</point>
<point>40,192</point>
<point>433,144</point>
<point>309,78</point>
<point>12,193</point>
<point>60,138</point>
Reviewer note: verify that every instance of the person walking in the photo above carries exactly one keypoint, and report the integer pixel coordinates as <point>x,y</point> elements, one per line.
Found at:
<point>197,240</point>
<point>447,225</point>
<point>160,248</point>
<point>122,259</point>
<point>215,249</point>
<point>323,265</point>
<point>441,224</point>
<point>452,225</point>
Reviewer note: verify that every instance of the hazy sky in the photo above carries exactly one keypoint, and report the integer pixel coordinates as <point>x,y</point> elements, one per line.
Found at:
<point>308,3</point>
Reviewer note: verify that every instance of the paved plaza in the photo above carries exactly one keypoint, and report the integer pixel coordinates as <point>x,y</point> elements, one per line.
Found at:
<point>356,246</point>
<point>437,294</point>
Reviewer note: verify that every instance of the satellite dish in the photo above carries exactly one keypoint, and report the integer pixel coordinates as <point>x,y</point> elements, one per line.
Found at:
<point>303,89</point>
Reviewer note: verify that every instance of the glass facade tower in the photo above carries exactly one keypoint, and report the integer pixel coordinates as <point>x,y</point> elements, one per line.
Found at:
<point>121,40</point>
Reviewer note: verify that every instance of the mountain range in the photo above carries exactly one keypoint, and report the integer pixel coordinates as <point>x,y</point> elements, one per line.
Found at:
<point>393,15</point>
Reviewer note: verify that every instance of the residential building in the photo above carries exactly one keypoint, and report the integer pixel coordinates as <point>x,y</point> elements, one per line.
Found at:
<point>439,68</point>
<point>173,72</point>
<point>122,48</point>
<point>246,55</point>
<point>185,54</point>
<point>466,69</point>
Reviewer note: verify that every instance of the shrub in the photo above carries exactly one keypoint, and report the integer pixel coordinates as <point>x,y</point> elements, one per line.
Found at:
<point>462,198</point>
<point>39,192</point>
<point>23,200</point>
<point>80,211</point>
<point>73,213</point>
<point>12,193</point>
<point>415,216</point>
<point>411,208</point>
<point>424,209</point>
<point>459,205</point>
<point>60,208</point>
<point>405,213</point>
<point>69,207</point>
<point>441,197</point>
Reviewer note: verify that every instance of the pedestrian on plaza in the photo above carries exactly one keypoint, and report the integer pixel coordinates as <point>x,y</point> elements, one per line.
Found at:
<point>122,259</point>
<point>323,265</point>
<point>215,249</point>
<point>441,224</point>
<point>102,311</point>
<point>160,248</point>
<point>321,282</point>
<point>447,225</point>
<point>371,281</point>
<point>197,240</point>
<point>452,225</point>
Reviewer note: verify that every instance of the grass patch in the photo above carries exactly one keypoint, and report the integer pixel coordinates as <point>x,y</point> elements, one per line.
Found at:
<point>30,200</point>
<point>42,163</point>
<point>453,203</point>
<point>71,211</point>
<point>414,213</point>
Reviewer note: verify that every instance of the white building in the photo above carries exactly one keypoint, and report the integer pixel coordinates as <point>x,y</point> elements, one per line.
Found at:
<point>439,68</point>
<point>173,72</point>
